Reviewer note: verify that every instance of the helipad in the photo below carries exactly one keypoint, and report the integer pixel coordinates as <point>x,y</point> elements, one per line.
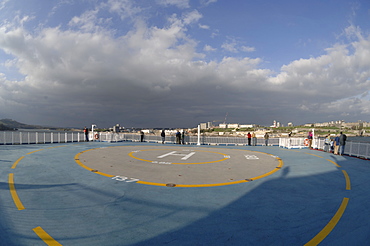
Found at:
<point>141,194</point>
<point>179,166</point>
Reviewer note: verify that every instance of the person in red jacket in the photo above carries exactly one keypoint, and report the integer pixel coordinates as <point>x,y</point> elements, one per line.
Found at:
<point>249,138</point>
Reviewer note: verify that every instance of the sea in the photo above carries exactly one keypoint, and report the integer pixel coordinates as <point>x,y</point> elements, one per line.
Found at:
<point>359,139</point>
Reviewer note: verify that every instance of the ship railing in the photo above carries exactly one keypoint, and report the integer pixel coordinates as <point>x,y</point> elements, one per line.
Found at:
<point>358,149</point>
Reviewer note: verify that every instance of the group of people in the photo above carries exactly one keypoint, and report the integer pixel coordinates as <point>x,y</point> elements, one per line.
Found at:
<point>180,137</point>
<point>335,145</point>
<point>252,139</point>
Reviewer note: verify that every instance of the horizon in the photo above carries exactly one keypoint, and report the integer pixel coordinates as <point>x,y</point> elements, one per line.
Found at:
<point>157,128</point>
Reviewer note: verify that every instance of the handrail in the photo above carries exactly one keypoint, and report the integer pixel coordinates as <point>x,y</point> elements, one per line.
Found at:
<point>359,149</point>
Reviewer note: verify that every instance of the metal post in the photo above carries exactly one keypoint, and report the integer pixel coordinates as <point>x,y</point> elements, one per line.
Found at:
<point>313,139</point>
<point>92,131</point>
<point>198,135</point>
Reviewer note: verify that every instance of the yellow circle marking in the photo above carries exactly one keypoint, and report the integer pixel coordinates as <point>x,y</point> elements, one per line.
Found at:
<point>281,163</point>
<point>77,160</point>
<point>179,163</point>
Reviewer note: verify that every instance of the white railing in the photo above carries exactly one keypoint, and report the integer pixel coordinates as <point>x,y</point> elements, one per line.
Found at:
<point>358,149</point>
<point>171,139</point>
<point>33,137</point>
<point>23,137</point>
<point>293,143</point>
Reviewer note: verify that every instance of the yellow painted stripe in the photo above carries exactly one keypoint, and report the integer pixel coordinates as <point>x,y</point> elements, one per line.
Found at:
<point>272,171</point>
<point>16,162</point>
<point>281,163</point>
<point>348,182</point>
<point>333,162</point>
<point>57,147</point>
<point>13,192</point>
<point>330,226</point>
<point>213,185</point>
<point>90,169</point>
<point>34,151</point>
<point>150,183</point>
<point>193,185</point>
<point>314,155</point>
<point>45,237</point>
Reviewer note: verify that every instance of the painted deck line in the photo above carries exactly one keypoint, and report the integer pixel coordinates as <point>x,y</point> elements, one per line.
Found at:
<point>333,162</point>
<point>45,237</point>
<point>348,182</point>
<point>90,169</point>
<point>281,163</point>
<point>13,192</point>
<point>16,162</point>
<point>34,151</point>
<point>330,226</point>
<point>314,155</point>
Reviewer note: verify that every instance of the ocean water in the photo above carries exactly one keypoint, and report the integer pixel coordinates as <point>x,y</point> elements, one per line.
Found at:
<point>359,139</point>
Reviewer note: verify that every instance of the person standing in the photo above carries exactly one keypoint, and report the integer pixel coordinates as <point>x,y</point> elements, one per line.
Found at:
<point>310,135</point>
<point>86,131</point>
<point>163,135</point>
<point>327,144</point>
<point>183,137</point>
<point>342,143</point>
<point>336,145</point>
<point>254,139</point>
<point>249,138</point>
<point>266,138</point>
<point>178,137</point>
<point>141,136</point>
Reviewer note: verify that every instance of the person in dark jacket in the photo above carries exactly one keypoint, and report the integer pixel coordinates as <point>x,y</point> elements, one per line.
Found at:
<point>178,137</point>
<point>141,136</point>
<point>163,135</point>
<point>342,143</point>
<point>86,131</point>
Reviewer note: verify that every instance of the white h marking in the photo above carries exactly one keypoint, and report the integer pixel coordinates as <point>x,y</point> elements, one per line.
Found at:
<point>185,156</point>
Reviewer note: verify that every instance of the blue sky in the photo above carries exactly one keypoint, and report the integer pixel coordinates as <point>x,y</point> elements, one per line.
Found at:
<point>176,63</point>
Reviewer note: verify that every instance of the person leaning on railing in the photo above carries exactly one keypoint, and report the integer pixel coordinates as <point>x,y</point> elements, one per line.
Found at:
<point>266,138</point>
<point>342,143</point>
<point>327,144</point>
<point>336,145</point>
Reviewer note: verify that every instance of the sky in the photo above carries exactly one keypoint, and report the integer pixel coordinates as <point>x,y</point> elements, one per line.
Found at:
<point>178,63</point>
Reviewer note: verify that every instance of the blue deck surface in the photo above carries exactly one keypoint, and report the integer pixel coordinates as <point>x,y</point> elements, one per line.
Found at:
<point>292,206</point>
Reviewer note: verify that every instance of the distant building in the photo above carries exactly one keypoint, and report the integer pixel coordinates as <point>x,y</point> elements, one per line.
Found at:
<point>222,126</point>
<point>275,124</point>
<point>203,126</point>
<point>246,126</point>
<point>233,126</point>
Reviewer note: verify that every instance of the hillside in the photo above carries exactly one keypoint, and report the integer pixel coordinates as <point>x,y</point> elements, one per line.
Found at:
<point>9,124</point>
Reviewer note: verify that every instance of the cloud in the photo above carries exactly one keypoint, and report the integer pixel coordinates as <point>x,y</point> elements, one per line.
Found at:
<point>232,45</point>
<point>209,48</point>
<point>3,4</point>
<point>204,27</point>
<point>124,8</point>
<point>247,49</point>
<point>154,76</point>
<point>182,4</point>
<point>207,2</point>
